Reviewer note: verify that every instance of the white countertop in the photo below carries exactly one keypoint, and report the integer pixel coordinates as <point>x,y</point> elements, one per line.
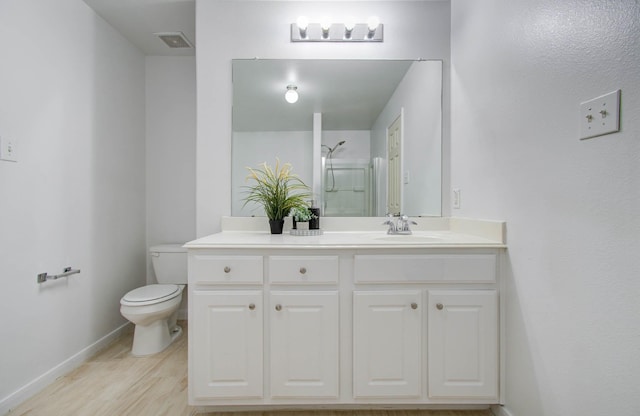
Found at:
<point>450,232</point>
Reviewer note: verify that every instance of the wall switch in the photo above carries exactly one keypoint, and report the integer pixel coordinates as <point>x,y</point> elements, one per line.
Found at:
<point>8,149</point>
<point>406,177</point>
<point>456,198</point>
<point>600,116</point>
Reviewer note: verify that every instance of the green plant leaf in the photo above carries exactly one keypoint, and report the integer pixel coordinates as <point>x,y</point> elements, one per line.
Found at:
<point>277,190</point>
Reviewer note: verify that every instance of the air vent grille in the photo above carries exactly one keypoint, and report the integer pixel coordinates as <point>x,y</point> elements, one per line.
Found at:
<point>175,39</point>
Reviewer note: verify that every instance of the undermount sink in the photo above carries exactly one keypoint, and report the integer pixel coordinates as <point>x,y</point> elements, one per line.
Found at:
<point>411,238</point>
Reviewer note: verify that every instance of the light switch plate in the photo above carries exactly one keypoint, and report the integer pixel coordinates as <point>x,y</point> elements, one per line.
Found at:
<point>600,116</point>
<point>8,149</point>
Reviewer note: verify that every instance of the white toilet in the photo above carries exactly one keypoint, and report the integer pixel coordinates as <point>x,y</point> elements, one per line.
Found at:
<point>154,308</point>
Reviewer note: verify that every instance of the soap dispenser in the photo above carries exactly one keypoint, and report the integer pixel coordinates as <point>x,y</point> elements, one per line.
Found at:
<point>314,223</point>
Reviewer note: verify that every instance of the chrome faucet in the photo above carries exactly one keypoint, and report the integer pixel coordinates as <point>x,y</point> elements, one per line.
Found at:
<point>399,225</point>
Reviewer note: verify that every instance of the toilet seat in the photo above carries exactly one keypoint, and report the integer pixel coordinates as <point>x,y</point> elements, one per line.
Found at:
<point>150,295</point>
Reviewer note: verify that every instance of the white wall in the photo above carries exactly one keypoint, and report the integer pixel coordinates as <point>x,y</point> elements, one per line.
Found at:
<point>519,71</point>
<point>419,99</point>
<point>73,98</point>
<point>251,149</point>
<point>227,30</point>
<point>357,143</point>
<point>170,151</point>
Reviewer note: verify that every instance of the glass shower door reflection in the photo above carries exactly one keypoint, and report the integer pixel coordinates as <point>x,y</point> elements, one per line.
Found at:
<point>346,188</point>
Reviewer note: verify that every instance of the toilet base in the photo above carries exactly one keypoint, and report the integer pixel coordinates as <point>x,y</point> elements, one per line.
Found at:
<point>153,338</point>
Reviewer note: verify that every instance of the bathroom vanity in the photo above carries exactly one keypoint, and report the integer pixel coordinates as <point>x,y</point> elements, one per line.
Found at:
<point>347,319</point>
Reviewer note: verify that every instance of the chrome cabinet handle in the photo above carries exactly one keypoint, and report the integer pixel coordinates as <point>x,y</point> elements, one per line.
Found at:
<point>278,307</point>
<point>252,306</point>
<point>303,270</point>
<point>439,306</point>
<point>227,269</point>
<point>414,305</point>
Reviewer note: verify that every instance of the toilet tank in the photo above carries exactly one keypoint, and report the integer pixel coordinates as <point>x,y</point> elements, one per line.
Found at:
<point>169,263</point>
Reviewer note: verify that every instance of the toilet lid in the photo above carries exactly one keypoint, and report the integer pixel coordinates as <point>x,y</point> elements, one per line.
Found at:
<point>150,294</point>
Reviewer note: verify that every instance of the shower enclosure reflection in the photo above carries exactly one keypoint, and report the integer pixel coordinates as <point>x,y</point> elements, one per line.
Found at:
<point>345,155</point>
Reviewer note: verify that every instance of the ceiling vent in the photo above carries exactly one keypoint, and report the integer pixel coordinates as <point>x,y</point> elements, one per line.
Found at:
<point>174,39</point>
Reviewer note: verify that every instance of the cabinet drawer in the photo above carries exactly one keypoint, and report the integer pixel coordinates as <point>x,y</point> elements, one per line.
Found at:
<point>303,269</point>
<point>205,268</point>
<point>460,268</point>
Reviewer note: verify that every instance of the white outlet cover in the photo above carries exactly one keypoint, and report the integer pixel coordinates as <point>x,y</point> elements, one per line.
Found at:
<point>600,116</point>
<point>8,149</point>
<point>456,198</point>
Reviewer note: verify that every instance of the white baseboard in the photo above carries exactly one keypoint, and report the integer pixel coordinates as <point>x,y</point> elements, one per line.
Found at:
<point>42,381</point>
<point>500,411</point>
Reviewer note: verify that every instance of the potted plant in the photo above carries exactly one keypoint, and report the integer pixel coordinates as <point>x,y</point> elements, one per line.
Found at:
<point>278,191</point>
<point>302,215</point>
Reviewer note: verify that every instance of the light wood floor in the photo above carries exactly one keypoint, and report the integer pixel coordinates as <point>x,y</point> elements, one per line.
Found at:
<point>114,383</point>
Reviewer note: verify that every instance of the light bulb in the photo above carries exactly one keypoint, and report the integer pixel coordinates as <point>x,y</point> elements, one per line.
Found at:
<point>372,23</point>
<point>349,25</point>
<point>302,22</point>
<point>325,24</point>
<point>292,94</point>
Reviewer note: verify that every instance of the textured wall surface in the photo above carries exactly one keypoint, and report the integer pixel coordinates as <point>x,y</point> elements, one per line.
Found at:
<point>72,94</point>
<point>170,113</point>
<point>519,72</point>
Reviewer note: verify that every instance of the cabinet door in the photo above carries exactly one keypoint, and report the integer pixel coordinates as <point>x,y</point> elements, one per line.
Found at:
<point>387,340</point>
<point>463,343</point>
<point>304,344</point>
<point>227,344</point>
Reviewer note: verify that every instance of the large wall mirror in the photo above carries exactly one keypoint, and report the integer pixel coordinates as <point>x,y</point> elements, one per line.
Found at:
<point>365,134</point>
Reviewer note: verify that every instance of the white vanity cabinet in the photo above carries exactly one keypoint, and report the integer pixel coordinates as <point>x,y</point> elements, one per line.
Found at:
<point>343,326</point>
<point>460,338</point>
<point>463,343</point>
<point>387,343</point>
<point>303,325</point>
<point>304,358</point>
<point>227,344</point>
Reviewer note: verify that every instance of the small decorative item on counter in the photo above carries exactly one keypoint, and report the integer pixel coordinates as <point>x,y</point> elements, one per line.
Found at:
<point>314,222</point>
<point>278,191</point>
<point>306,221</point>
<point>302,218</point>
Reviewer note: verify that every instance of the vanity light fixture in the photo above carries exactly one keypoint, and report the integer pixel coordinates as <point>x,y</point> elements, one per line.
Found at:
<point>292,94</point>
<point>325,31</point>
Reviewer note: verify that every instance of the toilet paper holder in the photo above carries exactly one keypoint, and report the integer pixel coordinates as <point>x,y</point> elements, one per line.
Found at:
<point>68,271</point>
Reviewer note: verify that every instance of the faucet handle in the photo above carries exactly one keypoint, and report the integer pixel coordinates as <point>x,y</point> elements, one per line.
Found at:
<point>391,223</point>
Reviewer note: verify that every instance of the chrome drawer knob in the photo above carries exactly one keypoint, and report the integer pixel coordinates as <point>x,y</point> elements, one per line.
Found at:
<point>439,306</point>
<point>278,307</point>
<point>252,306</point>
<point>414,305</point>
<point>303,270</point>
<point>227,269</point>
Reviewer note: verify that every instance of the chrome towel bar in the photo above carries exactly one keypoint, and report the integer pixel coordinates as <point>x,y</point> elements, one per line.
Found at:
<point>68,271</point>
